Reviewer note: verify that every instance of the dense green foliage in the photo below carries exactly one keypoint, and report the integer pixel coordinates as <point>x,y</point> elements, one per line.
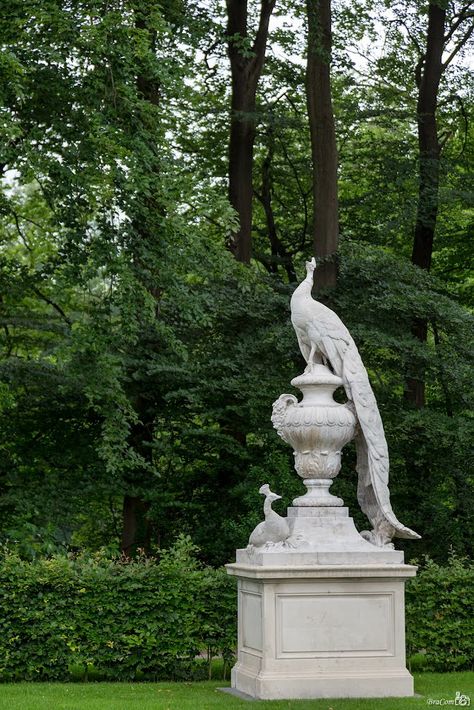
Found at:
<point>440,624</point>
<point>66,617</point>
<point>138,360</point>
<point>95,617</point>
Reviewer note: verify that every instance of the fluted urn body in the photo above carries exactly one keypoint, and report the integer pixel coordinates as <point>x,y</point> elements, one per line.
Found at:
<point>317,428</point>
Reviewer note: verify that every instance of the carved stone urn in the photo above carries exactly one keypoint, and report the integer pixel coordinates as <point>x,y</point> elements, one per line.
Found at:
<point>317,428</point>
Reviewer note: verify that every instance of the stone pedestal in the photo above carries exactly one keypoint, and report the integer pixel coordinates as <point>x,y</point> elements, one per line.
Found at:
<point>321,615</point>
<point>321,630</point>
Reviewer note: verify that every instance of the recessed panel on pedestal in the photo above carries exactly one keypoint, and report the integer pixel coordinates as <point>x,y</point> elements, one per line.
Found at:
<point>342,625</point>
<point>251,611</point>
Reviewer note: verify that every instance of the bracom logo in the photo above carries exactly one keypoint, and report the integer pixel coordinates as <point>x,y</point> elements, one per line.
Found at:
<point>460,700</point>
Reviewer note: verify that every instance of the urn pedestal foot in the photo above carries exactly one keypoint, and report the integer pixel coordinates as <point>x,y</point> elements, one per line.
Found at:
<point>318,494</point>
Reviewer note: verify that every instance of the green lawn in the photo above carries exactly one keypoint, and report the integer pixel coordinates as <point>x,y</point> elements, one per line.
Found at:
<point>197,696</point>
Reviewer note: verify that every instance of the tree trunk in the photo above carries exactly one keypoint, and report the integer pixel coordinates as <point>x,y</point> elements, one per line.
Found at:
<point>415,386</point>
<point>428,143</point>
<point>428,186</point>
<point>246,66</point>
<point>279,252</point>
<point>323,142</point>
<point>136,528</point>
<point>242,138</point>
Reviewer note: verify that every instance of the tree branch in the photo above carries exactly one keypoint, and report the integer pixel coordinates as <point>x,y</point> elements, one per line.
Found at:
<point>443,139</point>
<point>211,71</point>
<point>419,70</point>
<point>266,9</point>
<point>466,124</point>
<point>413,39</point>
<point>462,15</point>
<point>52,304</point>
<point>458,46</point>
<point>304,195</point>
<point>19,230</point>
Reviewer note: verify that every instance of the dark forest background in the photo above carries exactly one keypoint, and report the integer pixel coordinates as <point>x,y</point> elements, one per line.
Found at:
<point>166,170</point>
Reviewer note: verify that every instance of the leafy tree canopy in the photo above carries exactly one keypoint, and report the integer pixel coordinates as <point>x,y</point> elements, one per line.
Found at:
<point>139,360</point>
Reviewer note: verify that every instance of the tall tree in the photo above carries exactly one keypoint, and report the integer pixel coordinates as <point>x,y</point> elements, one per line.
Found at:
<point>96,166</point>
<point>246,63</point>
<point>323,141</point>
<point>429,71</point>
<point>146,213</point>
<point>279,253</point>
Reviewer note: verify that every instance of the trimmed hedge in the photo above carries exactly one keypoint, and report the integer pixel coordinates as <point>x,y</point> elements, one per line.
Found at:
<point>440,617</point>
<point>69,617</point>
<point>143,619</point>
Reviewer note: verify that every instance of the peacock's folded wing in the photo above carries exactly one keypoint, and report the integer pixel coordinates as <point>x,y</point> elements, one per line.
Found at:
<point>305,349</point>
<point>331,338</point>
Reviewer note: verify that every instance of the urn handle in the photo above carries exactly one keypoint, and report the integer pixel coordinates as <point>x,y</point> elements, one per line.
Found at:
<point>279,410</point>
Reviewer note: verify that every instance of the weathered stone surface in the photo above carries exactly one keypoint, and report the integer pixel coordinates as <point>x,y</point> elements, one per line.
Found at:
<point>319,536</point>
<point>325,341</point>
<point>321,632</point>
<point>321,606</point>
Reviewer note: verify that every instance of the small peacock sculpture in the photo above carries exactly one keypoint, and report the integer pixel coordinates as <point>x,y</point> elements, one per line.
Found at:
<point>274,528</point>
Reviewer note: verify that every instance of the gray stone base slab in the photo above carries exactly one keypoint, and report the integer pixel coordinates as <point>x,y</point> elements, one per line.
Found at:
<point>237,694</point>
<point>319,536</point>
<point>330,687</point>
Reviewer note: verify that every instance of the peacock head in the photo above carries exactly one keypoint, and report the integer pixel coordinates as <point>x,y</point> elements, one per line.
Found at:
<point>310,266</point>
<point>265,491</point>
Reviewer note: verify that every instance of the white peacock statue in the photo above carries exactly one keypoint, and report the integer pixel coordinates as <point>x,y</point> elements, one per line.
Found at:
<point>324,339</point>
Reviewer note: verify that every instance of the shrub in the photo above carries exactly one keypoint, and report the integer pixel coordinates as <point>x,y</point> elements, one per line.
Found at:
<point>118,618</point>
<point>440,623</point>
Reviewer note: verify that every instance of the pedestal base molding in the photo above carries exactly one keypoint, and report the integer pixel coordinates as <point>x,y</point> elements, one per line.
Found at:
<point>268,687</point>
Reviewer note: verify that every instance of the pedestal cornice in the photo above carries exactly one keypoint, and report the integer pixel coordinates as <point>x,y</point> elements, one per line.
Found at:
<point>321,571</point>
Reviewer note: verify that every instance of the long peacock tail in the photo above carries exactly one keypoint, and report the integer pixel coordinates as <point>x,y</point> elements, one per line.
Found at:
<point>371,446</point>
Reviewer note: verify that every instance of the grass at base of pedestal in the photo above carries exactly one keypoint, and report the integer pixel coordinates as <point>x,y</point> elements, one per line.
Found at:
<point>207,696</point>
